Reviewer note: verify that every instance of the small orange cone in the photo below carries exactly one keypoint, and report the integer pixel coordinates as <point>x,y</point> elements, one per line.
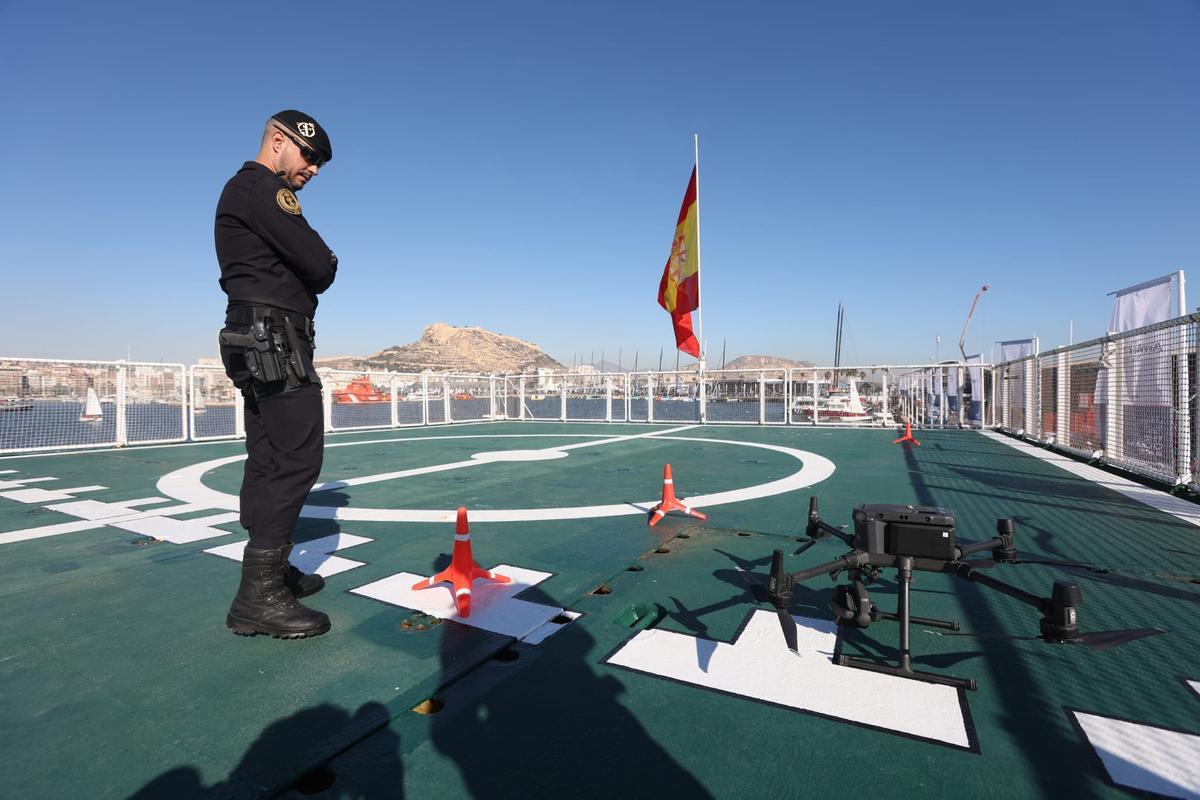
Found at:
<point>669,503</point>
<point>907,437</point>
<point>462,570</point>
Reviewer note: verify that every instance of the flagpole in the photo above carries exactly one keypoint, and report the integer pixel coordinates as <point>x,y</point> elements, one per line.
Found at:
<point>700,307</point>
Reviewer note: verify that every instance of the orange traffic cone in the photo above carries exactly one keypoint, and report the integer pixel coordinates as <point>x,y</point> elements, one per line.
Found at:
<point>462,570</point>
<point>669,503</point>
<point>907,437</point>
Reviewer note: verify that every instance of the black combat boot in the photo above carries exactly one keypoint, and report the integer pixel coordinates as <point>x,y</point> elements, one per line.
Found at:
<point>300,584</point>
<point>263,603</point>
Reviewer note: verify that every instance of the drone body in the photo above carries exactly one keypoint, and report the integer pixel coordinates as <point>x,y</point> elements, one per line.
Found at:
<point>911,539</point>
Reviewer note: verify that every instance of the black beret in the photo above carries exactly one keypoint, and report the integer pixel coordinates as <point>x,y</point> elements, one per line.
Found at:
<point>306,129</point>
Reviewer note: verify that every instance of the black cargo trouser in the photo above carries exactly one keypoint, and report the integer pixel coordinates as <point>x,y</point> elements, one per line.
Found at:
<point>285,439</point>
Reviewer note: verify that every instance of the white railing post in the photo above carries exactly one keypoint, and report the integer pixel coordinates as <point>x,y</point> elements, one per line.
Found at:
<point>815,412</point>
<point>1062,401</point>
<point>1004,396</point>
<point>191,407</point>
<point>327,399</point>
<point>446,418</point>
<point>492,397</point>
<point>394,395</point>
<point>1114,448</point>
<point>562,400</point>
<point>122,433</point>
<point>1182,408</point>
<point>649,397</point>
<point>608,393</point>
<point>885,398</point>
<point>1033,378</point>
<point>762,398</point>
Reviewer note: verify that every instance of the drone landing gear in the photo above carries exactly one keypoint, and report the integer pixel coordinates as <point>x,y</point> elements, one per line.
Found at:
<point>854,608</point>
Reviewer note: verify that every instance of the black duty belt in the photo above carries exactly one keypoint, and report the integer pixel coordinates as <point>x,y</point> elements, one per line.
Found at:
<point>248,315</point>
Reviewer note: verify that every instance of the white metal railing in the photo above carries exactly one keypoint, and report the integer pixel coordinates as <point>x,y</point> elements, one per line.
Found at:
<point>48,404</point>
<point>1125,399</point>
<point>144,403</point>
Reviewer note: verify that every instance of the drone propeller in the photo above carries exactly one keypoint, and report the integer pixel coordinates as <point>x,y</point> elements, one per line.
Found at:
<point>764,594</point>
<point>779,592</point>
<point>1097,640</point>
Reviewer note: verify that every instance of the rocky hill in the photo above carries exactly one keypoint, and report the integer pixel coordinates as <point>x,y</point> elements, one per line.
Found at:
<point>446,348</point>
<point>765,362</point>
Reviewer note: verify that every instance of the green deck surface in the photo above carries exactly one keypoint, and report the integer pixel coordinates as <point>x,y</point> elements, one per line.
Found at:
<point>119,678</point>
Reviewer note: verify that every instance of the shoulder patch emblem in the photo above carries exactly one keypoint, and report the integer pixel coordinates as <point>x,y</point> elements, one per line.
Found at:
<point>286,199</point>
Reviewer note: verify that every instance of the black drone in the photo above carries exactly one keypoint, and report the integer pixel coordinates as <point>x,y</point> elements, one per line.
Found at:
<point>909,539</point>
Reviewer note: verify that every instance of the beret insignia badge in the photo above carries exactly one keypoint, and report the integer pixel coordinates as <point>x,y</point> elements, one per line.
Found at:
<point>306,129</point>
<point>287,201</point>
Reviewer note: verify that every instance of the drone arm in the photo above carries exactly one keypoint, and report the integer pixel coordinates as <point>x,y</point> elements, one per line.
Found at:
<point>779,584</point>
<point>966,571</point>
<point>817,527</point>
<point>851,560</point>
<point>974,547</point>
<point>1001,544</point>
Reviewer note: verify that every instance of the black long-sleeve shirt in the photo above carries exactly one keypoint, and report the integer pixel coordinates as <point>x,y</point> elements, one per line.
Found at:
<point>267,251</point>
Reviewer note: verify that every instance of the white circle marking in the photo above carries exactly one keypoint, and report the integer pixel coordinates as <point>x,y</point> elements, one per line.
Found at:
<point>187,485</point>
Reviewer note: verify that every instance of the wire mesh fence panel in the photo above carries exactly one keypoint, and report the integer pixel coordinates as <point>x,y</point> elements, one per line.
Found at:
<point>1085,417</point>
<point>47,405</point>
<point>215,404</point>
<point>619,405</point>
<point>745,397</point>
<point>510,396</point>
<point>1012,391</point>
<point>641,389</point>
<point>676,397</point>
<point>357,399</point>
<point>586,396</point>
<point>1047,398</point>
<point>156,410</point>
<point>1150,415</point>
<point>543,396</point>
<point>407,391</point>
<point>470,397</point>
<point>775,397</point>
<point>844,396</point>
<point>434,396</point>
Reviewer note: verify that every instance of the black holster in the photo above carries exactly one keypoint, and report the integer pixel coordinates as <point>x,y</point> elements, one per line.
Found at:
<point>262,351</point>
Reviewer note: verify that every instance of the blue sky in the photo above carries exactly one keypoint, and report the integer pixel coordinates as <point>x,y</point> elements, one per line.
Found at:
<point>519,166</point>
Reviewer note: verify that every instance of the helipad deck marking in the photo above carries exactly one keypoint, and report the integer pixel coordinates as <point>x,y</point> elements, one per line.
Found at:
<point>1144,757</point>
<point>476,460</point>
<point>36,495</point>
<point>493,605</point>
<point>315,555</point>
<point>123,515</point>
<point>1155,498</point>
<point>187,484</point>
<point>757,665</point>
<point>20,483</point>
<point>44,531</point>
<point>179,531</point>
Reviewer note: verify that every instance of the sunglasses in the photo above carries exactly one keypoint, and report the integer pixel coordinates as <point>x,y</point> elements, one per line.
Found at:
<point>306,152</point>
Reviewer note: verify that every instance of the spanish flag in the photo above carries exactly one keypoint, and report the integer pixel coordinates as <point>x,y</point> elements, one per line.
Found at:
<point>679,290</point>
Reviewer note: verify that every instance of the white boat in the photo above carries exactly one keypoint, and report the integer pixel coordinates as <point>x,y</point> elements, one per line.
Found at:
<point>91,410</point>
<point>846,407</point>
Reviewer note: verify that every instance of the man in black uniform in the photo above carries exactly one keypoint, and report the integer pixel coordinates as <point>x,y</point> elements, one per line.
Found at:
<point>273,266</point>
